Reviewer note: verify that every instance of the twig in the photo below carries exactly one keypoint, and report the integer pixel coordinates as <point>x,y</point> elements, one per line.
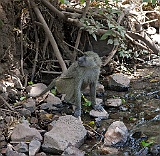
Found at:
<point>74,47</point>
<point>21,38</point>
<point>6,103</point>
<point>50,36</point>
<point>36,43</point>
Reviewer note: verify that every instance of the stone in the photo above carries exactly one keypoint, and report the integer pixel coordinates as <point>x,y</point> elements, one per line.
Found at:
<point>41,154</point>
<point>97,114</point>
<point>113,102</point>
<point>117,132</point>
<point>24,112</point>
<point>30,105</point>
<point>35,89</point>
<point>22,133</point>
<point>99,101</point>
<point>73,151</point>
<point>118,82</point>
<point>34,147</point>
<point>66,130</point>
<point>22,147</point>
<point>53,99</point>
<point>10,152</point>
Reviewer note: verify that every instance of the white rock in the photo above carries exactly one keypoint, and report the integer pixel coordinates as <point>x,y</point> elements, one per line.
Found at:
<point>116,132</point>
<point>66,130</point>
<point>22,133</point>
<point>34,147</point>
<point>73,151</point>
<point>113,102</point>
<point>36,89</point>
<point>97,114</point>
<point>118,82</point>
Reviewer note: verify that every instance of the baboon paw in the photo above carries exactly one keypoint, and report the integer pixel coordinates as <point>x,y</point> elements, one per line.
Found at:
<point>98,107</point>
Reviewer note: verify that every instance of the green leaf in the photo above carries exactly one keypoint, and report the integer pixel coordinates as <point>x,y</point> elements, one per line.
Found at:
<point>91,123</point>
<point>64,1</point>
<point>146,144</point>
<point>110,41</point>
<point>30,83</point>
<point>123,101</point>
<point>53,91</point>
<point>106,1</point>
<point>107,33</point>
<point>86,102</point>
<point>154,1</point>
<point>82,1</point>
<point>22,98</point>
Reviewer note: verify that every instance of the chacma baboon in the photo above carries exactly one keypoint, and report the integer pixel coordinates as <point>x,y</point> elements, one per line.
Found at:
<point>85,71</point>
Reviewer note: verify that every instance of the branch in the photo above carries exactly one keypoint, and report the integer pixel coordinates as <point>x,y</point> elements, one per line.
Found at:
<point>80,31</point>
<point>6,103</point>
<point>50,36</point>
<point>145,39</point>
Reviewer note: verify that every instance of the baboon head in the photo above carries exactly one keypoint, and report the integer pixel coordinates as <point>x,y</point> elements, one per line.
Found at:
<point>90,60</point>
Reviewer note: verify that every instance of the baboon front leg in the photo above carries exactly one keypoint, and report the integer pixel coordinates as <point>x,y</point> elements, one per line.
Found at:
<point>93,97</point>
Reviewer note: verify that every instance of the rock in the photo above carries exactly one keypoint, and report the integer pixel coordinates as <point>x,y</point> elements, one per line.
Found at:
<point>113,102</point>
<point>22,133</point>
<point>10,152</point>
<point>53,99</point>
<point>99,101</point>
<point>102,115</point>
<point>24,112</point>
<point>117,132</point>
<point>48,106</point>
<point>118,82</point>
<point>66,130</point>
<point>22,147</point>
<point>34,147</point>
<point>73,151</point>
<point>30,105</point>
<point>41,154</point>
<point>35,89</point>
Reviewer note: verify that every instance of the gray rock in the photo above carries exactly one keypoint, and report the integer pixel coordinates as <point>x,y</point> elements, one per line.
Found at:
<point>117,132</point>
<point>30,105</point>
<point>53,99</point>
<point>99,101</point>
<point>97,114</point>
<point>34,147</point>
<point>35,89</point>
<point>118,82</point>
<point>113,102</point>
<point>41,154</point>
<point>66,130</point>
<point>22,133</point>
<point>22,147</point>
<point>24,112</point>
<point>49,106</point>
<point>73,151</point>
<point>10,152</point>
